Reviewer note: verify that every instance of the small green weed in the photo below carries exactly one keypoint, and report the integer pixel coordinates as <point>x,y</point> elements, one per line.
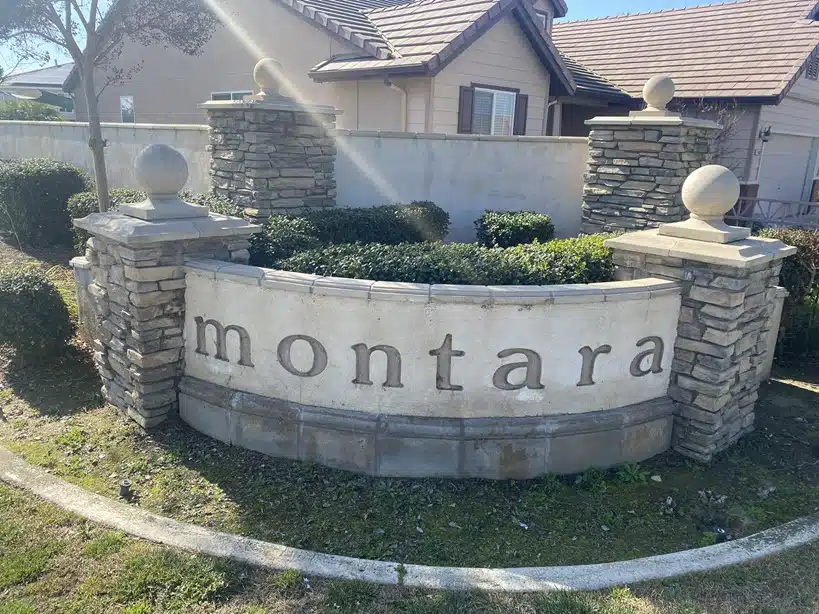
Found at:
<point>73,439</point>
<point>24,566</point>
<point>593,480</point>
<point>110,543</point>
<point>289,584</point>
<point>632,473</point>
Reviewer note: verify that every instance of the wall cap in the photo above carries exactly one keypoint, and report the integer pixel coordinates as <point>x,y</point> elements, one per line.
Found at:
<point>191,127</point>
<point>441,136</point>
<point>135,232</point>
<point>743,254</point>
<point>652,120</point>
<point>639,289</point>
<point>269,104</point>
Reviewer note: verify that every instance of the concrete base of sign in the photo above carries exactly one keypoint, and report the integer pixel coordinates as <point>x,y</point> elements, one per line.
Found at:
<point>416,446</point>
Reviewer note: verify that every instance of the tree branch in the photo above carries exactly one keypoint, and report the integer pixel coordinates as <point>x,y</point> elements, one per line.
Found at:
<point>81,17</point>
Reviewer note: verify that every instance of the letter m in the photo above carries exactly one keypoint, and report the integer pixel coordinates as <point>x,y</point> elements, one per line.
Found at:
<point>221,340</point>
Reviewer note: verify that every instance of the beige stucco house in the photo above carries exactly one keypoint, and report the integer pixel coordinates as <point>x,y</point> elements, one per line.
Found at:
<point>756,60</point>
<point>503,67</point>
<point>386,65</point>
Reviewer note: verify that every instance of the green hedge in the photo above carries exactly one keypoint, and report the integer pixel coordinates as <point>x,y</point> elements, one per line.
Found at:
<point>800,276</point>
<point>86,203</point>
<point>568,261</point>
<point>285,235</point>
<point>511,228</point>
<point>26,110</point>
<point>34,196</point>
<point>33,316</point>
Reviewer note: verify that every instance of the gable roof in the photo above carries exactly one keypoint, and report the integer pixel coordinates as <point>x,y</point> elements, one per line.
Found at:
<point>49,77</point>
<point>421,37</point>
<point>744,49</point>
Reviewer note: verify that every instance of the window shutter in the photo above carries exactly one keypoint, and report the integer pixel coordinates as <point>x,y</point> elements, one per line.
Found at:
<point>465,103</point>
<point>521,110</point>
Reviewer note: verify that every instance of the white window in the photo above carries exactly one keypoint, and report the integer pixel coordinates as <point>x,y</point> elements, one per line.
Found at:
<point>240,95</point>
<point>127,113</point>
<point>493,112</point>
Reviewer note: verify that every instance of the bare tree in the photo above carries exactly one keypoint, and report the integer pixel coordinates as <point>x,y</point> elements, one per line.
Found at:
<point>729,149</point>
<point>93,33</point>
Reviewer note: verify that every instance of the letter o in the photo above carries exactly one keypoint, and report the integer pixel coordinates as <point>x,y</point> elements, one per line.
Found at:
<point>319,355</point>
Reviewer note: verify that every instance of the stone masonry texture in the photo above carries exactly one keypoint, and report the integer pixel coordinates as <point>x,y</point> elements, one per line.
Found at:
<point>721,346</point>
<point>272,161</point>
<point>139,301</point>
<point>635,174</point>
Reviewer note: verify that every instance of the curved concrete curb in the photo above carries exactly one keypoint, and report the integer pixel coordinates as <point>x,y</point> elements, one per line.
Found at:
<point>146,525</point>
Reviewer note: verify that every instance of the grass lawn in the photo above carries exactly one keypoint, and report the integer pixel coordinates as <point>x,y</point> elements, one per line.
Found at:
<point>53,416</point>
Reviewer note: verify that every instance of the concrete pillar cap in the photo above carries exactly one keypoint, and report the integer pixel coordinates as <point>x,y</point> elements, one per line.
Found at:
<point>161,171</point>
<point>708,193</point>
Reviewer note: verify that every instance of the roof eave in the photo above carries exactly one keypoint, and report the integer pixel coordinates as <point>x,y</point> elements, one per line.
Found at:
<point>328,76</point>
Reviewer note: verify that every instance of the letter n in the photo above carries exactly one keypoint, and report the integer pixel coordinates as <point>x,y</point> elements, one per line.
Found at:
<point>362,365</point>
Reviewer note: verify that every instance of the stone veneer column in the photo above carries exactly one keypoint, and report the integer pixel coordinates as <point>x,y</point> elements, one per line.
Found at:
<point>269,153</point>
<point>728,310</point>
<point>637,164</point>
<point>138,288</point>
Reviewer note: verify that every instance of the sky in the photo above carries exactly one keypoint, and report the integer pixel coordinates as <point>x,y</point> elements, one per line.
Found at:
<point>578,9</point>
<point>590,9</point>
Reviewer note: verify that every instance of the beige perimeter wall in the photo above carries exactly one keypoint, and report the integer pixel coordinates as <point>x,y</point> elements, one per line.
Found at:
<point>465,174</point>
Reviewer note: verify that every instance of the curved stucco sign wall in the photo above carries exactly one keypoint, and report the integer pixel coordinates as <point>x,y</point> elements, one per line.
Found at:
<point>410,379</point>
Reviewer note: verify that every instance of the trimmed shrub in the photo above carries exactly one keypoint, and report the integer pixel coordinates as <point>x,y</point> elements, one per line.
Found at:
<point>283,236</point>
<point>511,228</point>
<point>800,276</point>
<point>26,110</point>
<point>33,317</point>
<point>86,203</point>
<point>569,261</point>
<point>389,224</point>
<point>34,196</point>
<point>214,203</point>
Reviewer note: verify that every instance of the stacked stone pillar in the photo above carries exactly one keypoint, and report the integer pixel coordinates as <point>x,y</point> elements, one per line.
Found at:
<point>272,154</point>
<point>728,316</point>
<point>637,164</point>
<point>137,290</point>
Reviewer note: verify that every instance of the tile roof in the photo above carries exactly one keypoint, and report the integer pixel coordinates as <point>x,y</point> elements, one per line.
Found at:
<point>48,77</point>
<point>748,48</point>
<point>422,36</point>
<point>593,85</point>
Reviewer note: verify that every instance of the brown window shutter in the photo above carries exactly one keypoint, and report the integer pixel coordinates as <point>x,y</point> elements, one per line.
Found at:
<point>521,110</point>
<point>465,110</point>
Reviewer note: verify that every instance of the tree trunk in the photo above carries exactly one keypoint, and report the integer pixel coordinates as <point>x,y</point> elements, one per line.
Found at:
<point>95,141</point>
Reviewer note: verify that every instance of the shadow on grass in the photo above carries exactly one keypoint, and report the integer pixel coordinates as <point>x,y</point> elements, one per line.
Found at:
<point>60,387</point>
<point>598,516</point>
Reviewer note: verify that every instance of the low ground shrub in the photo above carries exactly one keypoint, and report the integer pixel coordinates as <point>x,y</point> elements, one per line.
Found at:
<point>33,317</point>
<point>569,261</point>
<point>800,276</point>
<point>511,228</point>
<point>283,236</point>
<point>34,196</point>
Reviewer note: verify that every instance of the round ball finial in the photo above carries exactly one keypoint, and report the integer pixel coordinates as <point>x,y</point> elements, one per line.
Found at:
<point>658,92</point>
<point>161,171</point>
<point>266,75</point>
<point>710,192</point>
